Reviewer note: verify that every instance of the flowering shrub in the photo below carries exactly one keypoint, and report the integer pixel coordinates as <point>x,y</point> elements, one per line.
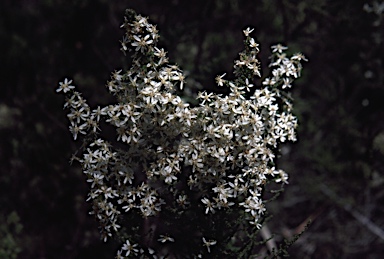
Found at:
<point>177,180</point>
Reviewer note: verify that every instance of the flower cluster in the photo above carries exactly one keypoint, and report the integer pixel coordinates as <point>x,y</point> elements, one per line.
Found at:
<point>218,155</point>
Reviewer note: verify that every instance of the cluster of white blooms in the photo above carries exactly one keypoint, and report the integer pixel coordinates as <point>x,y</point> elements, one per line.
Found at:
<point>224,149</point>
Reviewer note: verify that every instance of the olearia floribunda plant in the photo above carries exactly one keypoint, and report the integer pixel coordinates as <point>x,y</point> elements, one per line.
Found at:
<point>179,181</point>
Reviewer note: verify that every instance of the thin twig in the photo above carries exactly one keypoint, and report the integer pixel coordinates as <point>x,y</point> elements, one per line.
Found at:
<point>266,235</point>
<point>375,229</point>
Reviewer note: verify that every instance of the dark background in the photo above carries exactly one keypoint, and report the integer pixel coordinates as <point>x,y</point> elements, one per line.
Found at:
<point>336,168</point>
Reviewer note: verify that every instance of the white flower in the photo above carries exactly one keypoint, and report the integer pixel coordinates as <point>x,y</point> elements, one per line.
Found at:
<point>129,248</point>
<point>118,255</point>
<point>300,56</point>
<point>219,80</point>
<point>75,129</point>
<point>116,75</point>
<point>278,48</point>
<point>248,85</point>
<point>182,200</point>
<point>247,31</point>
<point>140,43</point>
<point>254,44</point>
<point>165,238</point>
<point>169,177</point>
<point>179,77</point>
<point>65,86</point>
<point>208,244</point>
<point>286,83</point>
<point>209,204</point>
<point>205,97</point>
<point>162,55</point>
<point>269,81</point>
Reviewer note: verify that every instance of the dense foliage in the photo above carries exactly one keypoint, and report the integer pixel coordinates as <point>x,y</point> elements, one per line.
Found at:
<point>170,161</point>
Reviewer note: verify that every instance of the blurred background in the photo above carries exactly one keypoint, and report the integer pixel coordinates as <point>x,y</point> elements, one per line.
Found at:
<point>336,168</point>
